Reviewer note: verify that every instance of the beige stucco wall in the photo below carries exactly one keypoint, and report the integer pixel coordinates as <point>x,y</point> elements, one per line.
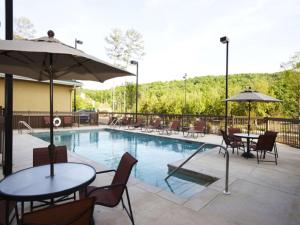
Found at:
<point>34,96</point>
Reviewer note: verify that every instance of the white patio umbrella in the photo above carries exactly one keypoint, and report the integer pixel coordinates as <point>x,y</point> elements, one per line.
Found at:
<point>47,58</point>
<point>249,96</point>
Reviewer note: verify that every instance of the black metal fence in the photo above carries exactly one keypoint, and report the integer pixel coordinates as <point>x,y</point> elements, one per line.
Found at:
<point>288,129</point>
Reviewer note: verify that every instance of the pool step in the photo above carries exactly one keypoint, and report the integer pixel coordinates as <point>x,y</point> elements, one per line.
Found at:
<point>192,176</point>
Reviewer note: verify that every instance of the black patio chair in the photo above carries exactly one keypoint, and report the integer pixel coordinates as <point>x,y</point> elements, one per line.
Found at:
<point>234,144</point>
<point>40,158</point>
<point>265,144</point>
<point>6,211</point>
<point>79,212</point>
<point>111,195</point>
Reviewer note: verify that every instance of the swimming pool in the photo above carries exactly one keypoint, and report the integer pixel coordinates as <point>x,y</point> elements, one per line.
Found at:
<point>106,146</point>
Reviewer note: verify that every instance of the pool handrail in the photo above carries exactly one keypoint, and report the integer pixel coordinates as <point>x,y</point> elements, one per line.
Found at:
<point>226,192</point>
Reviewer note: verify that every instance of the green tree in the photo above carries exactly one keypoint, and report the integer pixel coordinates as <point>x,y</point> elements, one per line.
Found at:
<point>292,84</point>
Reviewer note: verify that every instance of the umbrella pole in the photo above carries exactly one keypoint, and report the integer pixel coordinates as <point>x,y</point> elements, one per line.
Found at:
<point>249,118</point>
<point>51,147</point>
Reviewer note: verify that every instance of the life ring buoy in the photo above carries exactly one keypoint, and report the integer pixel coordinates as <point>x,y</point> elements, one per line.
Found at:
<point>56,121</point>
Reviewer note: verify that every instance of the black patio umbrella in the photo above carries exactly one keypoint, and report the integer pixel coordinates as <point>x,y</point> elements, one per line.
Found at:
<point>47,58</point>
<point>249,96</point>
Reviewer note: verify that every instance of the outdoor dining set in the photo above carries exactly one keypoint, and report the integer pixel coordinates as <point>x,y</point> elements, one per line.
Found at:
<point>25,192</point>
<point>261,144</point>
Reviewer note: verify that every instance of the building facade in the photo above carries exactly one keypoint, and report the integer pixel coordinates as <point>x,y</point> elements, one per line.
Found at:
<point>31,95</point>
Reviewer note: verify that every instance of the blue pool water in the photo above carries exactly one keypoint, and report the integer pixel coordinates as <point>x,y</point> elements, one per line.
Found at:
<point>153,154</point>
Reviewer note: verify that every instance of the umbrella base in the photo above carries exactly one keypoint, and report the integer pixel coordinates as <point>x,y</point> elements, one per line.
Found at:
<point>248,155</point>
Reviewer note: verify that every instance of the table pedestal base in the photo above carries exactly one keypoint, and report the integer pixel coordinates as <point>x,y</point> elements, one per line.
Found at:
<point>248,155</point>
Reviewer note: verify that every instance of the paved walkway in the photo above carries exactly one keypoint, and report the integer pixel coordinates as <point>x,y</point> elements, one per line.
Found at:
<point>260,194</point>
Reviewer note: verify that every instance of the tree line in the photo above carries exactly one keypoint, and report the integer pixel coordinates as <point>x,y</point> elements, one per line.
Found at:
<point>204,95</point>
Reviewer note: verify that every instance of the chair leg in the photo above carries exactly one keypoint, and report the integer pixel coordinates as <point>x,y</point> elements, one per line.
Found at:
<point>220,147</point>
<point>275,150</point>
<point>17,214</point>
<point>129,205</point>
<point>122,203</point>
<point>257,156</point>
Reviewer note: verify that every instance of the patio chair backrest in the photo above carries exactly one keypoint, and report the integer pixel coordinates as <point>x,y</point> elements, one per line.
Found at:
<point>199,125</point>
<point>67,120</point>
<point>122,173</point>
<point>46,120</point>
<point>156,122</point>
<point>72,213</point>
<point>41,155</point>
<point>174,125</point>
<point>225,137</point>
<point>265,143</point>
<point>128,122</point>
<point>233,130</point>
<point>271,133</point>
<point>139,121</point>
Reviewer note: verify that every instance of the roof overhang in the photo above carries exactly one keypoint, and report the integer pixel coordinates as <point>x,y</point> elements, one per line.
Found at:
<point>72,83</point>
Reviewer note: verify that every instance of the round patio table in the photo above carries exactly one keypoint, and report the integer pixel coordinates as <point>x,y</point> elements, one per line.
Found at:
<point>35,183</point>
<point>249,137</point>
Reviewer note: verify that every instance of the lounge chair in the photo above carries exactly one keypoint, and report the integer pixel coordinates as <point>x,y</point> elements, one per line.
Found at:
<point>234,144</point>
<point>174,126</point>
<point>125,121</point>
<point>265,144</point>
<point>46,120</point>
<point>111,195</point>
<point>72,213</point>
<point>198,128</point>
<point>154,125</point>
<point>67,121</point>
<point>112,121</point>
<point>138,124</point>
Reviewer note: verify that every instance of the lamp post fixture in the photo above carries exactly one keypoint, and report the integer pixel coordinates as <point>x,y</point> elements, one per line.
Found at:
<point>80,43</point>
<point>132,62</point>
<point>184,77</point>
<point>225,40</point>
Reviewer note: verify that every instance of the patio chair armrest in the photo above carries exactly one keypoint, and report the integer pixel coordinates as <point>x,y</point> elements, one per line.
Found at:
<point>106,187</point>
<point>105,171</point>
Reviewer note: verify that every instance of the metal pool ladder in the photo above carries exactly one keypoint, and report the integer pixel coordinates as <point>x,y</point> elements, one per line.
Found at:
<point>226,192</point>
<point>20,123</point>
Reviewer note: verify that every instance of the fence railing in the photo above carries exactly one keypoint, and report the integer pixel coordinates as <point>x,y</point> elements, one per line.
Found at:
<point>39,119</point>
<point>288,129</point>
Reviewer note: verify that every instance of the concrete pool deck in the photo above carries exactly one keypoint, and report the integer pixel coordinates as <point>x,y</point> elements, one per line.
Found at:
<point>260,193</point>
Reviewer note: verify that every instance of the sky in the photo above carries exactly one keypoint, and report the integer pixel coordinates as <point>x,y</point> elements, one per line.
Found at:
<point>180,36</point>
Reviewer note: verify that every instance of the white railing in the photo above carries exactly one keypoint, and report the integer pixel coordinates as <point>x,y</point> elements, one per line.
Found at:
<point>26,125</point>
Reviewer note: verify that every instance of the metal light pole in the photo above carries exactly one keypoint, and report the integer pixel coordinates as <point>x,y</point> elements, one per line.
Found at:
<point>225,40</point>
<point>136,87</point>
<point>8,154</point>
<point>80,43</point>
<point>184,77</point>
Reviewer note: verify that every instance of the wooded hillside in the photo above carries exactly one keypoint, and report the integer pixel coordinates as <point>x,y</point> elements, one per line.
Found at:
<point>204,95</point>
